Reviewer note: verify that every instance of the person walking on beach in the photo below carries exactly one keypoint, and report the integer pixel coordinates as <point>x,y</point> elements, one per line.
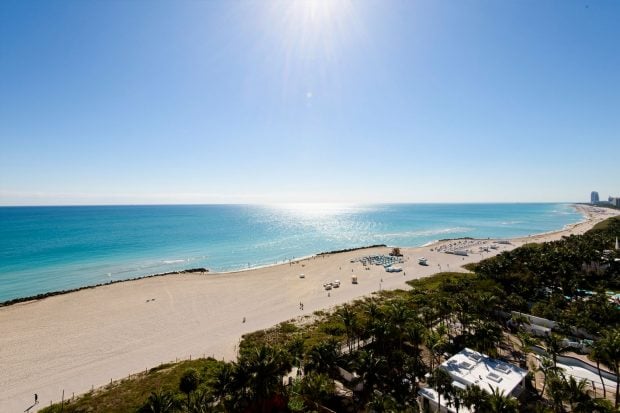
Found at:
<point>244,319</point>
<point>36,398</point>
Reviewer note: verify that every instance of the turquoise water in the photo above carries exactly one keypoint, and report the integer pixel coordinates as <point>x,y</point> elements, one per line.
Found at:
<point>46,249</point>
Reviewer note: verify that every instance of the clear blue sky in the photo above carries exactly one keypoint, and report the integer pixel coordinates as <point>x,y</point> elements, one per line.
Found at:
<point>345,101</point>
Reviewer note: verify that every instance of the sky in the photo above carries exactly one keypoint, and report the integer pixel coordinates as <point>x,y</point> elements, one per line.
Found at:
<point>149,102</point>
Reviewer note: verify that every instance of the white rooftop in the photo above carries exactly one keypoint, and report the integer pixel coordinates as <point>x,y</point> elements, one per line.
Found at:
<point>470,367</point>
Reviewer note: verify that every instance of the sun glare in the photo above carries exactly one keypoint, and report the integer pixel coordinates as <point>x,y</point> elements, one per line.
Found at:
<point>313,209</point>
<point>305,40</point>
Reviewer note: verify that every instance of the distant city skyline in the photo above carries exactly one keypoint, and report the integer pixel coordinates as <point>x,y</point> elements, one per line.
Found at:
<point>153,102</point>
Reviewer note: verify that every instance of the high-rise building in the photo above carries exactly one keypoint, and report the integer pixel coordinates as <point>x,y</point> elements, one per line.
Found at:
<point>594,197</point>
<point>615,201</point>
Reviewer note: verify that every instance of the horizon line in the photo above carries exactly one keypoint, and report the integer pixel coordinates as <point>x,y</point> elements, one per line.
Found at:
<point>295,203</point>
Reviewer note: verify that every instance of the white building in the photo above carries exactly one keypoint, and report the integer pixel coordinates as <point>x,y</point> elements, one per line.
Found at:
<point>537,326</point>
<point>470,367</point>
<point>615,201</point>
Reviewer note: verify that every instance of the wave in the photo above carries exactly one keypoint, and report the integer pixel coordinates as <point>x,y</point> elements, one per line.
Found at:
<point>427,233</point>
<point>173,261</point>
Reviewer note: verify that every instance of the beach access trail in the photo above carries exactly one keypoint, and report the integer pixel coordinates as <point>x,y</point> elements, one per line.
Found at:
<point>82,339</point>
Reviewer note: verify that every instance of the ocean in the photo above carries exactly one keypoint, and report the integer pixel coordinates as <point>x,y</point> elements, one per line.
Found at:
<point>44,249</point>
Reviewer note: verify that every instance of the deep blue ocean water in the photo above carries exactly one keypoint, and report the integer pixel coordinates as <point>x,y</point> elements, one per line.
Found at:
<point>46,249</point>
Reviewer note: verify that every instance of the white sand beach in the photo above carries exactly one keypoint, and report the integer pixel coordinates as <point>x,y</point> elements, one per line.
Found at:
<point>75,341</point>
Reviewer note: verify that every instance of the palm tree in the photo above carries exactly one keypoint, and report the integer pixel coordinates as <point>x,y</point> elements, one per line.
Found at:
<point>381,403</point>
<point>380,331</point>
<point>526,342</point>
<point>415,334</point>
<point>598,354</point>
<point>223,384</point>
<point>371,369</point>
<point>266,366</point>
<point>488,334</point>
<point>595,406</point>
<point>188,383</point>
<point>372,311</point>
<point>547,368</point>
<point>576,392</point>
<point>317,388</point>
<point>556,390</point>
<point>610,344</point>
<point>323,357</point>
<point>554,347</point>
<point>463,310</point>
<point>457,399</point>
<point>435,344</point>
<point>160,402</point>
<point>239,397</point>
<point>486,303</point>
<point>441,381</point>
<point>500,403</point>
<point>518,320</point>
<point>398,315</point>
<point>475,398</point>
<point>296,349</point>
<point>202,403</point>
<point>429,315</point>
<point>349,319</point>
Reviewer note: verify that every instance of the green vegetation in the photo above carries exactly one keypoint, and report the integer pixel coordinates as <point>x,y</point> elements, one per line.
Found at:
<point>392,340</point>
<point>129,395</point>
<point>608,224</point>
<point>565,280</point>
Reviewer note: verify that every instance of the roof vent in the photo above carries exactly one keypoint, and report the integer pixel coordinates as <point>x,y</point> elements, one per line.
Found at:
<point>495,377</point>
<point>475,357</point>
<point>503,368</point>
<point>466,365</point>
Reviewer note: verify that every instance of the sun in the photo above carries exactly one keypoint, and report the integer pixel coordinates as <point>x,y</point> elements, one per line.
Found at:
<point>304,42</point>
<point>310,27</point>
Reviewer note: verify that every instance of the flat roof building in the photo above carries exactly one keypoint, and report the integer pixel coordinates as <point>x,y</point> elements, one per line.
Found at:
<point>594,199</point>
<point>469,367</point>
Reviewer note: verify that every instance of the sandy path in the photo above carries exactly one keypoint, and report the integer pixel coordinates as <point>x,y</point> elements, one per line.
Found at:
<point>84,339</point>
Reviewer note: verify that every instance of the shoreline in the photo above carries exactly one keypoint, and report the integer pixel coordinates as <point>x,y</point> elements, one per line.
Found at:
<point>47,294</point>
<point>43,296</point>
<point>202,270</point>
<point>72,342</point>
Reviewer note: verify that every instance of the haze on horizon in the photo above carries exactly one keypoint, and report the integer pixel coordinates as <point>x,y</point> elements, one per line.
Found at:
<point>151,102</point>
